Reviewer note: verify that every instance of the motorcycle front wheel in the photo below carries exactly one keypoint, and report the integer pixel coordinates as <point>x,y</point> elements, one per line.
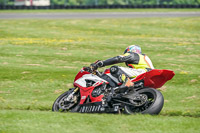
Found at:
<point>64,104</point>
<point>153,104</point>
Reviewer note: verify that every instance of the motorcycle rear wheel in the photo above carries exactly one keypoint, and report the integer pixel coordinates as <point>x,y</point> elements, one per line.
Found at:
<point>153,105</point>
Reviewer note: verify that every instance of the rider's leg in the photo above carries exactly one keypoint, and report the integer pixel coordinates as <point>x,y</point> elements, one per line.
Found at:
<point>128,72</point>
<point>121,76</point>
<point>132,73</point>
<point>118,73</point>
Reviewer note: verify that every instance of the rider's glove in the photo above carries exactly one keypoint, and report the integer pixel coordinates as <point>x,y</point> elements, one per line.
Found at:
<point>93,66</point>
<point>88,69</point>
<point>97,64</point>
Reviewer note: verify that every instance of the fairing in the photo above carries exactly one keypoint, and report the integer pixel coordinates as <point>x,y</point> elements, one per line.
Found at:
<point>86,92</point>
<point>155,78</point>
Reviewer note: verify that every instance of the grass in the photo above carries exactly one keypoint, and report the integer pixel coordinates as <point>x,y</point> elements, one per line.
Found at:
<point>39,121</point>
<point>40,58</point>
<point>103,10</point>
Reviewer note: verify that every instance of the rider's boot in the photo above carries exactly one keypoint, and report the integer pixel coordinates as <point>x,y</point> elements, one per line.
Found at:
<point>126,81</point>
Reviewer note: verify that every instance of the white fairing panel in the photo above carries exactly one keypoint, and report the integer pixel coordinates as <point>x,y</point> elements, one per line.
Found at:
<point>81,81</point>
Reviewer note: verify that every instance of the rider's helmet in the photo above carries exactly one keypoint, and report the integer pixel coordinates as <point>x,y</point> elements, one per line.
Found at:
<point>133,48</point>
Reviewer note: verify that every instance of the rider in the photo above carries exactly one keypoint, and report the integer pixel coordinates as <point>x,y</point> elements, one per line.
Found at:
<point>137,62</point>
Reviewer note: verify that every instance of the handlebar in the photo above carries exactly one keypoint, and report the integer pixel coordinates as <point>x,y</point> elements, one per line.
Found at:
<point>91,70</point>
<point>88,69</point>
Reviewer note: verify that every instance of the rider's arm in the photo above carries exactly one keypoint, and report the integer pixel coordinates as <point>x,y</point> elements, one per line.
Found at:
<point>118,59</point>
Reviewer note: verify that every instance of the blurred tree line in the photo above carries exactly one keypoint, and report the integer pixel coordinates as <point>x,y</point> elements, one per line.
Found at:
<point>127,2</point>
<point>114,2</point>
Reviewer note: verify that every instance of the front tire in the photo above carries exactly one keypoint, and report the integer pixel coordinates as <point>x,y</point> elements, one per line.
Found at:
<point>153,105</point>
<point>61,105</point>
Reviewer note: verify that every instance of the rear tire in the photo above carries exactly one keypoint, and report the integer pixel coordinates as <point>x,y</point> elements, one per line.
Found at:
<point>153,105</point>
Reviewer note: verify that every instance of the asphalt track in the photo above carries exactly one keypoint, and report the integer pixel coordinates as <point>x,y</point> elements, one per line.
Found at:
<point>96,15</point>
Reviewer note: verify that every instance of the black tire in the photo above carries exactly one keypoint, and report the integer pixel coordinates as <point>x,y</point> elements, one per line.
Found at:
<point>56,106</point>
<point>153,106</point>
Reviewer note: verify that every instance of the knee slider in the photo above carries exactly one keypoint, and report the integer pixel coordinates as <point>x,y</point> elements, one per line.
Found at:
<point>114,70</point>
<point>117,73</point>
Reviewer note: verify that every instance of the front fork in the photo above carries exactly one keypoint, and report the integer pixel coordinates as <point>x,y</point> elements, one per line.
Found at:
<point>70,97</point>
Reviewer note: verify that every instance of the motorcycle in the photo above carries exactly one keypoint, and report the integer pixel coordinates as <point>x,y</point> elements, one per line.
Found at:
<point>100,92</point>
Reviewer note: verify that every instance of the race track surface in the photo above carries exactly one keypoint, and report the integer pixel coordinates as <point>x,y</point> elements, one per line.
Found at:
<point>96,15</point>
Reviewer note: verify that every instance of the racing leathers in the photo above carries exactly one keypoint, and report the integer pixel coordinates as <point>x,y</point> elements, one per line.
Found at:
<point>137,63</point>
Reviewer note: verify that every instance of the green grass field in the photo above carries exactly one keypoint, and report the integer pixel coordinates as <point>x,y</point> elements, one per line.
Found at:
<point>40,58</point>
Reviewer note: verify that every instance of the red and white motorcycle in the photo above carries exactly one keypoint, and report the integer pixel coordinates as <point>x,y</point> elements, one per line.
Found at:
<point>96,92</point>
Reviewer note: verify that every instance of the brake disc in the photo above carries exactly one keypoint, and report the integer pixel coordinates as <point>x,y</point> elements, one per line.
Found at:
<point>67,104</point>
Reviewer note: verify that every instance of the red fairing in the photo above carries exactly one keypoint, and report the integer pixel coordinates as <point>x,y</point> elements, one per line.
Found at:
<point>107,71</point>
<point>87,91</point>
<point>155,78</point>
<point>80,74</point>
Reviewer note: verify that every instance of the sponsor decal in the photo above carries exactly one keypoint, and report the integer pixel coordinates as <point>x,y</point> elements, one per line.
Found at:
<point>91,108</point>
<point>97,109</point>
<point>83,97</point>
